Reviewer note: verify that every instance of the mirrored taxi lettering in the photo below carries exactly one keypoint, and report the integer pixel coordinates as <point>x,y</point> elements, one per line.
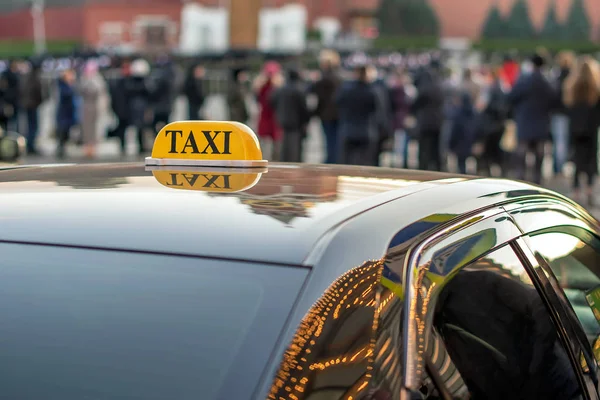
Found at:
<point>211,140</point>
<point>200,180</point>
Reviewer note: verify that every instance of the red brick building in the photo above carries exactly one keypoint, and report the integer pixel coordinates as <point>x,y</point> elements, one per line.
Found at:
<point>101,22</point>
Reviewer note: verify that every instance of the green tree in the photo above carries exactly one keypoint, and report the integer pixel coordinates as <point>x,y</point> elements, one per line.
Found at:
<point>417,17</point>
<point>518,24</point>
<point>577,25</point>
<point>552,29</point>
<point>494,26</point>
<point>407,17</point>
<point>387,16</point>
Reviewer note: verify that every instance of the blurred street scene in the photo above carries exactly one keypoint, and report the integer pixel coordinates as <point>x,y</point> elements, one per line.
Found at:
<point>508,94</point>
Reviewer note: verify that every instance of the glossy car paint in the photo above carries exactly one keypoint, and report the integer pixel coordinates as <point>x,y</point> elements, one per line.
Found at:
<point>367,237</point>
<point>380,223</point>
<point>121,206</point>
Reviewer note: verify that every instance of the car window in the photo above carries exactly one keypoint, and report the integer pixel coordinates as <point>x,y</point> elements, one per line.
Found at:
<point>85,324</point>
<point>576,266</point>
<point>347,346</point>
<point>499,333</point>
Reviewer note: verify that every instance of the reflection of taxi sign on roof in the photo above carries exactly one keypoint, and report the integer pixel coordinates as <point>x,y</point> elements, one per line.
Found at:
<point>220,180</point>
<point>206,144</point>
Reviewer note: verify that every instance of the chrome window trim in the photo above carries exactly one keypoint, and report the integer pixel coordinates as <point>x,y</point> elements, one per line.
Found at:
<point>546,287</point>
<point>578,216</point>
<point>418,262</point>
<point>572,216</point>
<point>419,255</point>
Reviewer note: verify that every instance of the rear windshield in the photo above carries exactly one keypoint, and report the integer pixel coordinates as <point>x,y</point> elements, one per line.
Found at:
<point>86,324</point>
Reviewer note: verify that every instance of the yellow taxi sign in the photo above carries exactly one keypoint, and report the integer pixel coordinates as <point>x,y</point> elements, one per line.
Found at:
<point>207,144</point>
<point>224,180</point>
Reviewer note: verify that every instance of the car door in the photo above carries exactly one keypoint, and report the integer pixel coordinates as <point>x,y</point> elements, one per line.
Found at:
<point>565,243</point>
<point>471,289</point>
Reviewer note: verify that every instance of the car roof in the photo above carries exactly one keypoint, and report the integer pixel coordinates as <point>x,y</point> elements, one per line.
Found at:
<point>122,206</point>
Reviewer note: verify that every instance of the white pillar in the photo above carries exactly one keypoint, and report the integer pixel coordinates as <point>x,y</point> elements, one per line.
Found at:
<point>39,29</point>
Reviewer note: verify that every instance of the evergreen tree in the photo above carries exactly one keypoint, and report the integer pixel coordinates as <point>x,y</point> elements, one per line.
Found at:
<point>552,28</point>
<point>417,17</point>
<point>494,26</point>
<point>407,17</point>
<point>387,16</point>
<point>519,25</point>
<point>577,25</point>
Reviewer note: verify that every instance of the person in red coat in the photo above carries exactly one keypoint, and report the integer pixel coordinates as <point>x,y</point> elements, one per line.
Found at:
<point>509,72</point>
<point>269,132</point>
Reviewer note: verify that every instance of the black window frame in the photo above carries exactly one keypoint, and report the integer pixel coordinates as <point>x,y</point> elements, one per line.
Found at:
<point>418,263</point>
<point>584,236</point>
<point>546,215</point>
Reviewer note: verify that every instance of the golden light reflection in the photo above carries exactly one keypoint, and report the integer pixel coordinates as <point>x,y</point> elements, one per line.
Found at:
<point>339,340</point>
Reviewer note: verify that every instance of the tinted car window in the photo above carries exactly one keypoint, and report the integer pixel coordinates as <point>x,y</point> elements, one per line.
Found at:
<point>576,266</point>
<point>83,324</point>
<point>499,333</point>
<point>348,345</point>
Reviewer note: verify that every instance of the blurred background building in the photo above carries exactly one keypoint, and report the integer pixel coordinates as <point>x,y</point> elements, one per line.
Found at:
<point>287,25</point>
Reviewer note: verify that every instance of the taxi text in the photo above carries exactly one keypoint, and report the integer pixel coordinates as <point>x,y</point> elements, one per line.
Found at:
<point>191,142</point>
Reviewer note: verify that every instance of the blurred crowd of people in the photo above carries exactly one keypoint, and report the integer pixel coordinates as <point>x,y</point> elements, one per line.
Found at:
<point>465,114</point>
<point>137,93</point>
<point>365,109</point>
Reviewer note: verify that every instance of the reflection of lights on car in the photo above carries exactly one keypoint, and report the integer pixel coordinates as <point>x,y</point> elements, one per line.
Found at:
<point>556,245</point>
<point>349,186</point>
<point>381,183</point>
<point>354,290</point>
<point>451,180</point>
<point>349,183</point>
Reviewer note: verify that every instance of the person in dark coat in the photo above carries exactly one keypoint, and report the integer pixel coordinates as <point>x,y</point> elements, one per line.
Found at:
<point>383,116</point>
<point>357,105</point>
<point>560,119</point>
<point>581,98</point>
<point>400,105</point>
<point>428,109</point>
<point>492,125</point>
<point>194,91</point>
<point>532,99</point>
<point>120,105</point>
<point>138,93</point>
<point>236,97</point>
<point>325,90</point>
<point>291,112</point>
<point>163,92</point>
<point>462,131</point>
<point>10,92</point>
<point>31,99</point>
<point>66,110</point>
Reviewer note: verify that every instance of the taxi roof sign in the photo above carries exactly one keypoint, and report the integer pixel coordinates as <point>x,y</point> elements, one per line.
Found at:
<point>206,144</point>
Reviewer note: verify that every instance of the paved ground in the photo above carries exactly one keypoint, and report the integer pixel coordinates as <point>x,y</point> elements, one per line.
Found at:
<point>108,150</point>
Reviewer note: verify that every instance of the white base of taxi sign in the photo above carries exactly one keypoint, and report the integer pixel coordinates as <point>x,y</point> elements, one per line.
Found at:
<point>207,144</point>
<point>206,163</point>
